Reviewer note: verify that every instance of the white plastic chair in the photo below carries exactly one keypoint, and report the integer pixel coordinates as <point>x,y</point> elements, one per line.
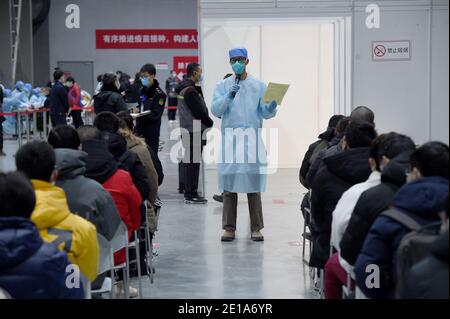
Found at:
<point>148,247</point>
<point>119,242</point>
<point>106,263</point>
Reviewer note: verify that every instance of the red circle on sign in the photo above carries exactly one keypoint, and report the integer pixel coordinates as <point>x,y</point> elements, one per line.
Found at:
<point>380,50</point>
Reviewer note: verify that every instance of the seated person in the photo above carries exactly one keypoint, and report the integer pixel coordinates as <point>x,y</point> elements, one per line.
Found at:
<point>108,123</point>
<point>29,268</point>
<point>71,233</point>
<point>102,167</point>
<point>422,199</point>
<point>384,148</point>
<point>337,174</point>
<point>86,197</point>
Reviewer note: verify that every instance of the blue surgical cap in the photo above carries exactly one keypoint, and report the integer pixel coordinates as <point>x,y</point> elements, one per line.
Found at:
<point>19,85</point>
<point>28,87</point>
<point>7,92</point>
<point>238,52</point>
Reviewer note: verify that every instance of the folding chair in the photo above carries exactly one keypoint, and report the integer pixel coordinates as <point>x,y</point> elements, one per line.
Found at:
<point>148,246</point>
<point>119,242</point>
<point>106,263</point>
<point>135,244</point>
<point>306,235</point>
<point>348,291</point>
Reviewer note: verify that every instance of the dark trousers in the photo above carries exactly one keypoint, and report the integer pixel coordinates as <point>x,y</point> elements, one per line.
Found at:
<point>58,119</point>
<point>77,120</point>
<point>229,216</point>
<point>172,113</point>
<point>1,132</point>
<point>153,143</point>
<point>191,163</point>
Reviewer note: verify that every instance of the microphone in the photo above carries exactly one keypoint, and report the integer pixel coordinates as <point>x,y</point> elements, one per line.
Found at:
<point>238,79</point>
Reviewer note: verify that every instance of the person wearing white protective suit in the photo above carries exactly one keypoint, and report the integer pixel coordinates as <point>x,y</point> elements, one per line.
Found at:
<point>37,99</point>
<point>243,165</point>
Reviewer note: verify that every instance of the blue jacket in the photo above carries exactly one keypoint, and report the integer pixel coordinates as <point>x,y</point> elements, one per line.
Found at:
<point>422,200</point>
<point>30,268</point>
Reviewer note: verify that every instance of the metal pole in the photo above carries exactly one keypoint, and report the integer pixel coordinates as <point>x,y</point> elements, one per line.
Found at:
<point>202,165</point>
<point>35,126</point>
<point>17,39</point>
<point>27,123</point>
<point>19,128</point>
<point>44,125</point>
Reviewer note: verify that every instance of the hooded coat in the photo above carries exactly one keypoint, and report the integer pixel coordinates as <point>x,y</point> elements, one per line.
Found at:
<point>109,100</point>
<point>422,200</point>
<point>30,268</point>
<point>138,146</point>
<point>86,197</point>
<point>337,174</point>
<point>371,203</point>
<point>129,161</point>
<point>71,233</point>
<point>103,168</point>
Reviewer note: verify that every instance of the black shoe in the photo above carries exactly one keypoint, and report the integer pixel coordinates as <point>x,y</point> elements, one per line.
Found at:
<point>195,200</point>
<point>2,153</point>
<point>218,198</point>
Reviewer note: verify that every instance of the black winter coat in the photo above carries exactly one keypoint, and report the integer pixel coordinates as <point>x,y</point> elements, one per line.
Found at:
<point>154,100</point>
<point>337,174</point>
<point>370,204</point>
<point>129,161</point>
<point>59,100</point>
<point>109,100</point>
<point>306,163</point>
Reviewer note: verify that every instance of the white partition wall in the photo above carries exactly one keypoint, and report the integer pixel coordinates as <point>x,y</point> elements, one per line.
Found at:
<point>297,53</point>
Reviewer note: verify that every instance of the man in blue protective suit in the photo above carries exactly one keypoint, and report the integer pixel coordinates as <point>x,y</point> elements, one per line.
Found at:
<point>242,166</point>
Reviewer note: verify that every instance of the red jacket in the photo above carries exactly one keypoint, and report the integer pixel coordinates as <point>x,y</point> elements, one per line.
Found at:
<point>128,202</point>
<point>75,96</point>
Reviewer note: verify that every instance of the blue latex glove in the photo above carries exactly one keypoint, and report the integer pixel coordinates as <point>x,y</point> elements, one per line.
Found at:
<point>234,89</point>
<point>272,106</point>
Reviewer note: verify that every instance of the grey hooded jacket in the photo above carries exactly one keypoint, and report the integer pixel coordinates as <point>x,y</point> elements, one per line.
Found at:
<point>86,197</point>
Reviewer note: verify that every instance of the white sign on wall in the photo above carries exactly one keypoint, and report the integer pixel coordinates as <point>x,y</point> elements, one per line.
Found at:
<point>162,66</point>
<point>391,50</point>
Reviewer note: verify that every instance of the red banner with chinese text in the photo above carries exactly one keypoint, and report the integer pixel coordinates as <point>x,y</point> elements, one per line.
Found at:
<point>147,39</point>
<point>180,64</point>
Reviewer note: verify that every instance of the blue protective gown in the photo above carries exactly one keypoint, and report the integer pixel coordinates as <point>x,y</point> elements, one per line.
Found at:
<point>242,166</point>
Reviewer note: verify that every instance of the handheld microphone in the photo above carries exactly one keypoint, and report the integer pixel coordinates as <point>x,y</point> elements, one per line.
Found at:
<point>238,79</point>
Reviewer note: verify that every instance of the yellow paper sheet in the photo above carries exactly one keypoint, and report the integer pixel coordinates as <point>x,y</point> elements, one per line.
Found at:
<point>275,92</point>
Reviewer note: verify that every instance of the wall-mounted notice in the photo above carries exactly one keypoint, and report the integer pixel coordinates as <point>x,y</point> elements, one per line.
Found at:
<point>391,50</point>
<point>147,39</point>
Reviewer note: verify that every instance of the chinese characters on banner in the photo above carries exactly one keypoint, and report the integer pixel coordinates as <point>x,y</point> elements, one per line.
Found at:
<point>180,64</point>
<point>147,39</point>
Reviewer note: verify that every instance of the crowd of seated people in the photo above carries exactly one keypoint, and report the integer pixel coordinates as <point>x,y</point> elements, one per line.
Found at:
<point>378,212</point>
<point>67,191</point>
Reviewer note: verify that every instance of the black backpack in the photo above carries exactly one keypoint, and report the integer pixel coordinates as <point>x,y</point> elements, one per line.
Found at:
<point>414,246</point>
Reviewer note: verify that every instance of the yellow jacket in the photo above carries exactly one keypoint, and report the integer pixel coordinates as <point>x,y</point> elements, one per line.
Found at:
<point>71,233</point>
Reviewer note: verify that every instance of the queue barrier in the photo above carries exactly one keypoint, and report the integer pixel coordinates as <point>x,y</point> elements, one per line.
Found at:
<point>31,127</point>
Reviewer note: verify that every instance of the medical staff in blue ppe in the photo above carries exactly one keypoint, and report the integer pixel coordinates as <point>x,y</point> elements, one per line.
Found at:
<point>10,104</point>
<point>242,166</point>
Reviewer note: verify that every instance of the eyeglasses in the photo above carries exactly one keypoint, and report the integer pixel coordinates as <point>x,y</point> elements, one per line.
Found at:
<point>238,59</point>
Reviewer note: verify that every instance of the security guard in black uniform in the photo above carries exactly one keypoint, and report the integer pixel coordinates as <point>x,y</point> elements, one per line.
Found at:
<point>153,100</point>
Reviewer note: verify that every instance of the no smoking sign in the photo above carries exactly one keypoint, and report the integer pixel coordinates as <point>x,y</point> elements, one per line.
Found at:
<point>380,50</point>
<point>391,50</point>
